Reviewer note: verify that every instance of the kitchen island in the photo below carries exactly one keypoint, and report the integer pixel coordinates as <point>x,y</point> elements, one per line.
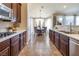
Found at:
<point>62,40</point>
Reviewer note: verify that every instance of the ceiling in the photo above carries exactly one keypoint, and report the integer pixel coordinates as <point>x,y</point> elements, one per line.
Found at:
<point>47,9</point>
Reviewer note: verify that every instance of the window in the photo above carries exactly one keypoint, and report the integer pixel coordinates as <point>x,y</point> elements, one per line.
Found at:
<point>60,19</point>
<point>39,22</point>
<point>77,20</point>
<point>68,20</point>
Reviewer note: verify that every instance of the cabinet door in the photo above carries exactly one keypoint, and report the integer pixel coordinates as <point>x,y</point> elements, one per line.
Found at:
<point>5,52</point>
<point>4,48</point>
<point>25,37</point>
<point>64,48</point>
<point>50,34</point>
<point>14,7</point>
<point>57,40</point>
<point>15,48</point>
<point>64,45</point>
<point>19,13</point>
<point>53,37</point>
<point>21,41</point>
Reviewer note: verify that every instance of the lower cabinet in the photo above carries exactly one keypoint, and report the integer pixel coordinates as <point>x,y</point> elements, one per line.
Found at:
<point>53,37</point>
<point>50,34</point>
<point>15,45</point>
<point>24,37</point>
<point>64,45</point>
<point>57,40</point>
<point>12,46</point>
<point>21,41</point>
<point>5,48</point>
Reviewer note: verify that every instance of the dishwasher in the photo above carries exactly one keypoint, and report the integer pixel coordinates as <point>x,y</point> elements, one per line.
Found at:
<point>74,47</point>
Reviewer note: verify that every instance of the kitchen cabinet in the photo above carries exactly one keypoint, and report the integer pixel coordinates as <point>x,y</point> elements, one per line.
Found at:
<point>14,7</point>
<point>53,37</point>
<point>25,37</point>
<point>22,41</point>
<point>64,45</point>
<point>15,45</point>
<point>5,48</point>
<point>50,34</point>
<point>17,12</point>
<point>57,40</point>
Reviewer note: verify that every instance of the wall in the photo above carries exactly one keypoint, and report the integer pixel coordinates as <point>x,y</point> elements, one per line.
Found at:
<point>4,25</point>
<point>23,24</point>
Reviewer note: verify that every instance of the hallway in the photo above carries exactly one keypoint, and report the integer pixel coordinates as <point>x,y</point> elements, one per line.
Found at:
<point>40,46</point>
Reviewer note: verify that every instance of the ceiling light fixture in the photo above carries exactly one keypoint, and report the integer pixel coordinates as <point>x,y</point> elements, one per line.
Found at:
<point>65,6</point>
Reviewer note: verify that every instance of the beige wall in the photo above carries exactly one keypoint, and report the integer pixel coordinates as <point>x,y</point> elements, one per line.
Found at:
<point>23,24</point>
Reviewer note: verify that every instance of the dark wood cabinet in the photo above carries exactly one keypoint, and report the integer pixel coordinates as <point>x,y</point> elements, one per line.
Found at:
<point>25,37</point>
<point>57,40</point>
<point>17,12</point>
<point>15,45</point>
<point>50,34</point>
<point>5,48</point>
<point>53,37</point>
<point>21,41</point>
<point>64,45</point>
<point>14,7</point>
<point>61,42</point>
<point>12,46</point>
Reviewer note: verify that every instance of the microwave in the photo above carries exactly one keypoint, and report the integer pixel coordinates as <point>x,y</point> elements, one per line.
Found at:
<point>5,12</point>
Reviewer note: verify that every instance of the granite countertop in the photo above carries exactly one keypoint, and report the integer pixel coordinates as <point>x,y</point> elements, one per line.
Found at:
<point>10,36</point>
<point>74,36</point>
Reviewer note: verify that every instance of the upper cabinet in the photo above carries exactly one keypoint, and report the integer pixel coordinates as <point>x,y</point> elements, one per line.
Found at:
<point>16,14</point>
<point>14,7</point>
<point>17,11</point>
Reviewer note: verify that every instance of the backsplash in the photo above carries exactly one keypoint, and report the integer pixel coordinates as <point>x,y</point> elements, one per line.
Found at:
<point>4,25</point>
<point>67,28</point>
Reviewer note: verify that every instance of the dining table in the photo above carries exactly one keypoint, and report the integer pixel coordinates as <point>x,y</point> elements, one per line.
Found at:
<point>40,31</point>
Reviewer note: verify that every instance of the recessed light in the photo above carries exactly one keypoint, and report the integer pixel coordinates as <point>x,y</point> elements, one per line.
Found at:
<point>65,6</point>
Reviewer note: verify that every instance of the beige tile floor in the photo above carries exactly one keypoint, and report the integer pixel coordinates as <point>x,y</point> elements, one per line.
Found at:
<point>40,46</point>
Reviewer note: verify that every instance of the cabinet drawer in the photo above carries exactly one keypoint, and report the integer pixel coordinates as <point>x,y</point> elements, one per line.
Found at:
<point>4,44</point>
<point>5,52</point>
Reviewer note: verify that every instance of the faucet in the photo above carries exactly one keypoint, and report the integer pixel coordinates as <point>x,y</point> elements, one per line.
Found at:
<point>70,27</point>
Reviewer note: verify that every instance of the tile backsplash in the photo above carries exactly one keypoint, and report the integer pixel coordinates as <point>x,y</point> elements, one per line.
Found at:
<point>67,28</point>
<point>4,25</point>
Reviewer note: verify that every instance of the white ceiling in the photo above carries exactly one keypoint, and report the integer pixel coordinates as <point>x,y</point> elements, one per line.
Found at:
<point>50,8</point>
